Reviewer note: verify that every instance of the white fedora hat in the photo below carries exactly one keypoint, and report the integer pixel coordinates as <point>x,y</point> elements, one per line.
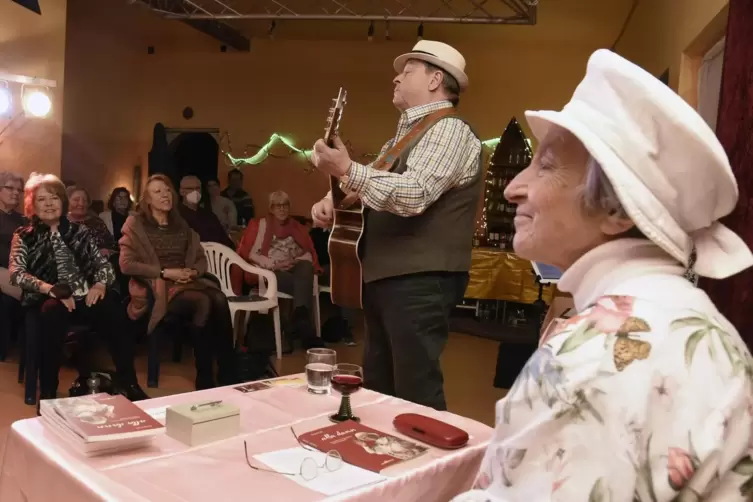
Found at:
<point>439,54</point>
<point>667,166</point>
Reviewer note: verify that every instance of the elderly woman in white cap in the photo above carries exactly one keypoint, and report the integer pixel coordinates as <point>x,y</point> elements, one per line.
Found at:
<point>646,394</point>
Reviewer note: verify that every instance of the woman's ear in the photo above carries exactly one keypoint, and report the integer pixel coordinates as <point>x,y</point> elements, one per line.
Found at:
<point>616,224</point>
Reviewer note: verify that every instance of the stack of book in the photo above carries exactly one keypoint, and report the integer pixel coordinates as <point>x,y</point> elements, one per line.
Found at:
<point>98,424</point>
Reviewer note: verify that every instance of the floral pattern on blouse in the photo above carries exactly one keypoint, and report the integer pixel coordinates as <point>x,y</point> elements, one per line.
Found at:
<point>628,401</point>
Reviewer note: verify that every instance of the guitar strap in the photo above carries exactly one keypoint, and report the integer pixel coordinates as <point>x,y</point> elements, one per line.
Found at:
<point>386,161</point>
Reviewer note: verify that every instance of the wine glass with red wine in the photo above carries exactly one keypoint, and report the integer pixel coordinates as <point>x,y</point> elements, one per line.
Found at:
<point>346,379</point>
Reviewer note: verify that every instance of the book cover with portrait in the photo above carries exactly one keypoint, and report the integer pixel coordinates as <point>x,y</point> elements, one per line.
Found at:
<point>102,417</point>
<point>363,446</point>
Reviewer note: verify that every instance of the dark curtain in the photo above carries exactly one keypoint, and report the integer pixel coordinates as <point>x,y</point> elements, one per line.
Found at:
<point>160,157</point>
<point>734,296</point>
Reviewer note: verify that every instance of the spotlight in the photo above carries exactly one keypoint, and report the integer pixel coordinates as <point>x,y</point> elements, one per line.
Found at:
<point>387,31</point>
<point>371,31</point>
<point>271,30</point>
<point>421,31</point>
<point>5,101</point>
<point>37,104</point>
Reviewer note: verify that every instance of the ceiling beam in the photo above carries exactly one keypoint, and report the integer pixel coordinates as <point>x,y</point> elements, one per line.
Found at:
<point>215,28</point>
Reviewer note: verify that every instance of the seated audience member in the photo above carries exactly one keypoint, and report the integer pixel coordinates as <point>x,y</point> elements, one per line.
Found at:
<point>78,211</point>
<point>222,206</point>
<point>118,208</point>
<point>646,394</point>
<point>202,220</point>
<point>65,280</point>
<point>11,188</point>
<point>244,206</point>
<point>279,243</point>
<point>161,252</point>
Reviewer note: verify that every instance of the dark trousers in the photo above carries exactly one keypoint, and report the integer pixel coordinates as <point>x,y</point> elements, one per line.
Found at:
<point>298,282</point>
<point>407,326</point>
<point>107,318</point>
<point>207,313</point>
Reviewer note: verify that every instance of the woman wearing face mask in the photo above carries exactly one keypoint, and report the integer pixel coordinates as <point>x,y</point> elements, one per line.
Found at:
<point>65,280</point>
<point>201,220</point>
<point>119,207</point>
<point>78,211</point>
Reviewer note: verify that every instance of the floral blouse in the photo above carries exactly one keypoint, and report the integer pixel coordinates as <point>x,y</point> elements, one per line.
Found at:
<point>644,396</point>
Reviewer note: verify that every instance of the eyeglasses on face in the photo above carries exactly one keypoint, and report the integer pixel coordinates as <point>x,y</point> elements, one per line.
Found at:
<point>309,469</point>
<point>13,189</point>
<point>284,205</point>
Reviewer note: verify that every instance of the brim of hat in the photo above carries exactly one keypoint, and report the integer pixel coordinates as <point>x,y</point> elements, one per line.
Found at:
<point>459,75</point>
<point>651,217</point>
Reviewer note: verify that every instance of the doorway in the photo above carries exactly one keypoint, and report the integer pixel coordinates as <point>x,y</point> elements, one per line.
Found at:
<point>195,153</point>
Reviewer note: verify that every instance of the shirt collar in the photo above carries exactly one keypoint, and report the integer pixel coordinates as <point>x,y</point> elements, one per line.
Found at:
<point>412,114</point>
<point>600,271</point>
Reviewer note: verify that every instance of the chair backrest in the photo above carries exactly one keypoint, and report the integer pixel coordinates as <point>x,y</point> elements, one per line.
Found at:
<point>219,260</point>
<point>218,264</point>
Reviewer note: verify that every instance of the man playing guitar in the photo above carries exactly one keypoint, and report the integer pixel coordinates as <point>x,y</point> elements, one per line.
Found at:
<point>419,224</point>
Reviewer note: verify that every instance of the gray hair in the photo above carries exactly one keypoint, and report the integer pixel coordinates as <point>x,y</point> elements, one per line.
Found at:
<point>278,197</point>
<point>450,84</point>
<point>598,195</point>
<point>9,177</point>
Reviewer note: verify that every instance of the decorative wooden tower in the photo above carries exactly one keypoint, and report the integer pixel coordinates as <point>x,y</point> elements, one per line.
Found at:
<point>512,155</point>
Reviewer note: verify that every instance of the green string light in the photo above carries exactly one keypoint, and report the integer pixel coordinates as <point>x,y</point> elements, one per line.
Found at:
<point>263,152</point>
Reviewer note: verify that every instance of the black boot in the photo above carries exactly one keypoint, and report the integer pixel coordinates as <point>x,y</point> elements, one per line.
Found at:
<point>202,351</point>
<point>304,329</point>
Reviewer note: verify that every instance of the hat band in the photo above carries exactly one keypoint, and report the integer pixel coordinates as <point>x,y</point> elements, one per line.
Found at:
<point>424,52</point>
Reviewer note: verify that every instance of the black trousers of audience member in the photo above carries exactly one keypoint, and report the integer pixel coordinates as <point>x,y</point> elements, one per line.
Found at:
<point>107,318</point>
<point>207,313</point>
<point>298,282</point>
<point>407,326</point>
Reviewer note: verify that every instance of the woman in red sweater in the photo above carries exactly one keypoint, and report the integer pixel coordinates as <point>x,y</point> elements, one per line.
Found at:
<point>279,243</point>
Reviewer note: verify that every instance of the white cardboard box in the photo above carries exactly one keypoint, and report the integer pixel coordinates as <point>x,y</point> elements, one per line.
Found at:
<point>201,423</point>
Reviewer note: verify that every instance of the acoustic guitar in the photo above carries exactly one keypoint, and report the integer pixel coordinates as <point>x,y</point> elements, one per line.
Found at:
<point>346,275</point>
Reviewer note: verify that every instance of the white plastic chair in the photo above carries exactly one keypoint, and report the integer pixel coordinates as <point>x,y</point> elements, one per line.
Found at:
<point>264,299</point>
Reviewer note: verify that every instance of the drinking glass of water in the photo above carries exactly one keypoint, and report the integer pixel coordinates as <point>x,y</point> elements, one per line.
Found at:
<point>319,366</point>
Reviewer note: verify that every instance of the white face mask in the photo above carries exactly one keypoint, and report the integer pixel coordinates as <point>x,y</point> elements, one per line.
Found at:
<point>193,197</point>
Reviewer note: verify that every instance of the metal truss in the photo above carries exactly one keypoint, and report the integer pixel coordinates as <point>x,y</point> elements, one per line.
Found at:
<point>519,12</point>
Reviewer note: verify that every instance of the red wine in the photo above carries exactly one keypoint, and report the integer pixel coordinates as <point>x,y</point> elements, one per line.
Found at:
<point>346,384</point>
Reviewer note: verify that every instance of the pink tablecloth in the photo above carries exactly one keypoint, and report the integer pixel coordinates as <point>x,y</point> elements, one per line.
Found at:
<point>38,467</point>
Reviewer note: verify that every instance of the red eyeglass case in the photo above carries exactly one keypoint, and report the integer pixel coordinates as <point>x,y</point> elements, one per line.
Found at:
<point>431,431</point>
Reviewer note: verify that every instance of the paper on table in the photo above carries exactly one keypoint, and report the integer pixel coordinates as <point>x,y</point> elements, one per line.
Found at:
<point>347,477</point>
<point>158,414</point>
<point>286,382</point>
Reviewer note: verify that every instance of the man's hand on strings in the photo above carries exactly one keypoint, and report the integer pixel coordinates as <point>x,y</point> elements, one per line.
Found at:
<point>333,161</point>
<point>323,213</point>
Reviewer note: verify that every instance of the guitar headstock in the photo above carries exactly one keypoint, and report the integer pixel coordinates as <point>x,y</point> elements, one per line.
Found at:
<point>335,114</point>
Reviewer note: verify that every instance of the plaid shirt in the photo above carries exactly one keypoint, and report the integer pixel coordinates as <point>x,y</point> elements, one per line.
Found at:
<point>446,157</point>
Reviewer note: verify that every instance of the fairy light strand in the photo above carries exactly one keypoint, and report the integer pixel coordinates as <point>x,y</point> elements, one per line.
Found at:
<point>265,151</point>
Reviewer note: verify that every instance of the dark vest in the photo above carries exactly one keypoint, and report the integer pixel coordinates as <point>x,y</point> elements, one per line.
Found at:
<point>438,240</point>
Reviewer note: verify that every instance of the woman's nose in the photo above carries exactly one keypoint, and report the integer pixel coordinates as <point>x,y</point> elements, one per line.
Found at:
<point>517,189</point>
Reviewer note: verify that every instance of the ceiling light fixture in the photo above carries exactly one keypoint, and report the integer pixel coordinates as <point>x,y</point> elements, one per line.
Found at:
<point>37,103</point>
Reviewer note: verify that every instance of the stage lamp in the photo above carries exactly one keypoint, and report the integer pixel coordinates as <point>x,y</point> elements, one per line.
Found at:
<point>5,101</point>
<point>37,103</point>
